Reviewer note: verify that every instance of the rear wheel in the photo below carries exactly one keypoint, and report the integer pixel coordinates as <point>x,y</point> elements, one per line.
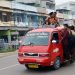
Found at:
<point>57,63</point>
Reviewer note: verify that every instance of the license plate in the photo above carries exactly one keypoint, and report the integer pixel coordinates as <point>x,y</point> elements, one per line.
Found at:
<point>32,65</point>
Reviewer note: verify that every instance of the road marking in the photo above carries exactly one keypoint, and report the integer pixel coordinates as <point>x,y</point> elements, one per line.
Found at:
<point>8,57</point>
<point>9,67</point>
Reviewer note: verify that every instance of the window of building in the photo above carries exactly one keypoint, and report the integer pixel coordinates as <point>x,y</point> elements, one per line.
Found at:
<point>13,37</point>
<point>0,16</point>
<point>4,18</point>
<point>50,5</point>
<point>19,19</point>
<point>5,37</point>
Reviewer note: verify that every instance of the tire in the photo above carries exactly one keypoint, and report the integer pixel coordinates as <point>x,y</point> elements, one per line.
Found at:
<point>57,63</point>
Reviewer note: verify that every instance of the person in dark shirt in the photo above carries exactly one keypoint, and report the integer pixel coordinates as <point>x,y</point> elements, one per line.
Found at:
<point>68,48</point>
<point>65,43</point>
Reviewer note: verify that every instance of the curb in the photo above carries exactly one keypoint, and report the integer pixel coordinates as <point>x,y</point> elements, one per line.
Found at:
<point>7,54</point>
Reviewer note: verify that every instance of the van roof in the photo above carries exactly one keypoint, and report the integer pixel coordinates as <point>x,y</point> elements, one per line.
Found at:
<point>47,29</point>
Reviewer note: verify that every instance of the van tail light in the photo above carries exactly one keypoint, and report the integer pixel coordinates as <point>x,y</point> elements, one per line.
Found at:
<point>20,54</point>
<point>44,55</point>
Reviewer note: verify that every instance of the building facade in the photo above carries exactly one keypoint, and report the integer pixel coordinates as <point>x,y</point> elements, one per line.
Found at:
<point>68,12</point>
<point>39,3</point>
<point>16,18</point>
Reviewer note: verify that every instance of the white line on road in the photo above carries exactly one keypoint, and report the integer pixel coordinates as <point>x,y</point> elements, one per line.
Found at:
<point>7,57</point>
<point>9,67</point>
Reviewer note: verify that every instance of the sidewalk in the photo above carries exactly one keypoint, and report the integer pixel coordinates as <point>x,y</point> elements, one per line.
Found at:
<point>7,54</point>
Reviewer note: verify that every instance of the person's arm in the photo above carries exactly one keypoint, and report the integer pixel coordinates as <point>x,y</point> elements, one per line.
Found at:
<point>46,21</point>
<point>57,21</point>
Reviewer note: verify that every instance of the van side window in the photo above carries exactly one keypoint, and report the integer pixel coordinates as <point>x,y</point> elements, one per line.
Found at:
<point>55,36</point>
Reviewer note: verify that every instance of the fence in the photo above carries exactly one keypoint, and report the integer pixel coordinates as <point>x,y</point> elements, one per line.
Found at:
<point>9,46</point>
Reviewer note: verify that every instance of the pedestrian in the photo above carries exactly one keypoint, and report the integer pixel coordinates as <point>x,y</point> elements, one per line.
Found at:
<point>72,42</point>
<point>68,50</point>
<point>72,36</point>
<point>66,44</point>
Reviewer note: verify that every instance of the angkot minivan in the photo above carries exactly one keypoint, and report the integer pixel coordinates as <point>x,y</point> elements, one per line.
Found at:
<point>42,47</point>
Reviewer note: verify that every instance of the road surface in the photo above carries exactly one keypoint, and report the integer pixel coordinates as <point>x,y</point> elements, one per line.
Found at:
<point>10,66</point>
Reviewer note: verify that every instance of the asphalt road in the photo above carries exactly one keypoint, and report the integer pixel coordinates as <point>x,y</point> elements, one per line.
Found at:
<point>10,66</point>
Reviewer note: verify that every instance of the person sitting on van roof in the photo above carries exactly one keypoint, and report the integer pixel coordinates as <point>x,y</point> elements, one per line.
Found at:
<point>52,19</point>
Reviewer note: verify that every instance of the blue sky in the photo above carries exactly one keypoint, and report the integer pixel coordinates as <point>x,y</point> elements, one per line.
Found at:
<point>62,1</point>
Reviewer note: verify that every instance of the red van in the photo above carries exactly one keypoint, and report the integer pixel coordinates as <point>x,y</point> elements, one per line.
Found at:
<point>42,47</point>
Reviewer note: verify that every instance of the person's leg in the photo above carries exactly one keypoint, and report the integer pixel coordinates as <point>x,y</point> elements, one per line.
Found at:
<point>67,52</point>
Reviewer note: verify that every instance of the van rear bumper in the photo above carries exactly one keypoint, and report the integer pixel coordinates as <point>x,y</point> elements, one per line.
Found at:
<point>40,61</point>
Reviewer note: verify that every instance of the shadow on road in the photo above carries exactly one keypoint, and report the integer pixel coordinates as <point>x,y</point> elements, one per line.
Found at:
<point>45,70</point>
